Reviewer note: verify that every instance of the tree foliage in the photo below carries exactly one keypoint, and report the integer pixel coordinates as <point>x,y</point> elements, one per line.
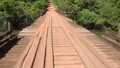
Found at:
<point>20,12</point>
<point>92,14</point>
<point>86,18</point>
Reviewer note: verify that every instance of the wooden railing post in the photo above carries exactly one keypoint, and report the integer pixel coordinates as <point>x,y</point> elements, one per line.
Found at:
<point>105,29</point>
<point>118,32</point>
<point>9,28</point>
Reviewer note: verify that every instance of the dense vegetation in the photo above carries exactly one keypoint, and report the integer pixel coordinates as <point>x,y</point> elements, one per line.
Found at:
<point>20,12</point>
<point>92,14</point>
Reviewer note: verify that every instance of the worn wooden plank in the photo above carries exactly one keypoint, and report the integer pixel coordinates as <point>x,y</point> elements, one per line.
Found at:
<point>80,50</point>
<point>49,49</point>
<point>40,56</point>
<point>31,54</point>
<point>22,57</point>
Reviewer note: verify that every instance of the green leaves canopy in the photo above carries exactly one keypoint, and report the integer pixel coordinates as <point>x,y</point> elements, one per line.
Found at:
<point>92,13</point>
<point>20,12</point>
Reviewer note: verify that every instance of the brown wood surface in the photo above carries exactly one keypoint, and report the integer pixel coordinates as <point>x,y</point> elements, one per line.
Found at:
<point>54,41</point>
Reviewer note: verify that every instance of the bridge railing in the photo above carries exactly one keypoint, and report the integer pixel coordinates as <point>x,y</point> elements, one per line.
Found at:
<point>7,36</point>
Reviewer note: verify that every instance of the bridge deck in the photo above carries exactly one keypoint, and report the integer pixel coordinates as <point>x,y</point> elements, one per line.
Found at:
<point>54,42</point>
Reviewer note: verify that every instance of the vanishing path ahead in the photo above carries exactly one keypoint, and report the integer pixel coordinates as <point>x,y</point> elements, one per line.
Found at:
<point>53,41</point>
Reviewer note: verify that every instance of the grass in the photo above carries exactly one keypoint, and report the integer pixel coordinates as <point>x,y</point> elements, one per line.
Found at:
<point>101,32</point>
<point>1,33</point>
<point>15,32</point>
<point>98,32</point>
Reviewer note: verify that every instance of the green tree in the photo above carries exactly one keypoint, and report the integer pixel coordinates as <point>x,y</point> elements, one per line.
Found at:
<point>87,18</point>
<point>20,12</point>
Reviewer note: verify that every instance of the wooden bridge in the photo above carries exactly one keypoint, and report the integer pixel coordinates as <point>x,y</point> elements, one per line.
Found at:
<point>54,41</point>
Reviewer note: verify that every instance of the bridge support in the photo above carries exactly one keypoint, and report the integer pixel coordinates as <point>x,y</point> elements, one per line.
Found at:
<point>9,28</point>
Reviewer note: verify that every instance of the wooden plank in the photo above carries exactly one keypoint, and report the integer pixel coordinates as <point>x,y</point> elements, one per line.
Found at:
<point>66,62</point>
<point>7,63</point>
<point>70,66</point>
<point>70,53</point>
<point>64,50</point>
<point>22,57</point>
<point>67,58</point>
<point>41,29</point>
<point>62,45</point>
<point>40,56</point>
<point>31,54</point>
<point>75,42</point>
<point>22,61</point>
<point>49,49</point>
<point>111,41</point>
